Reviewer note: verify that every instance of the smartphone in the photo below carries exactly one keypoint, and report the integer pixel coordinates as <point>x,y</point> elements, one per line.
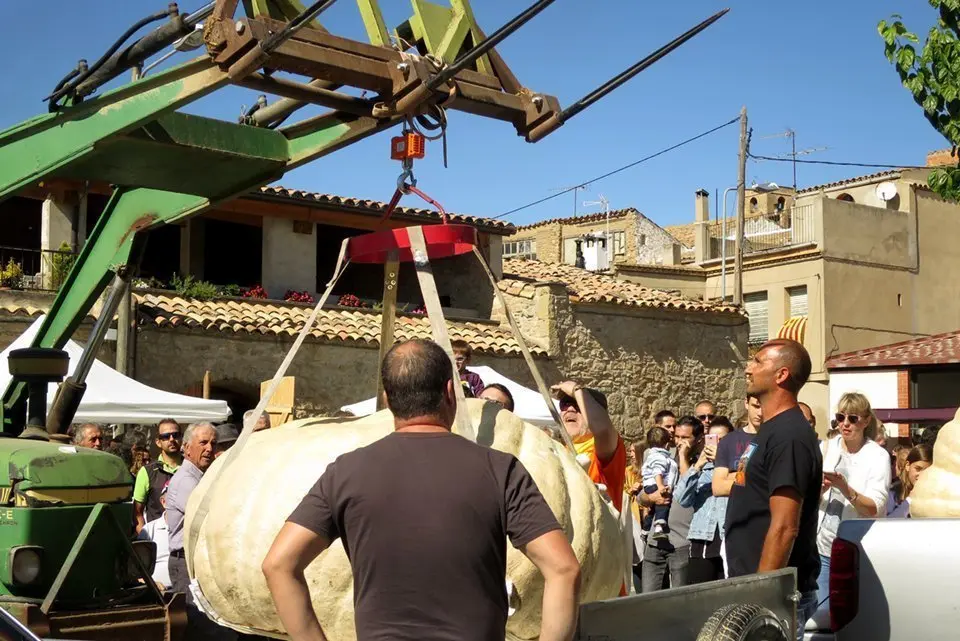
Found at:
<point>711,439</point>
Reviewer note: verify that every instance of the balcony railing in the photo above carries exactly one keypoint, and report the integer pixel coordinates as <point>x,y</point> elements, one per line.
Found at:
<point>764,232</point>
<point>35,269</point>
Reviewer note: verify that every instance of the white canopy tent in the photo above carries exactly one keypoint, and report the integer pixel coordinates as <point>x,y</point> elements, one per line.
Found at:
<point>112,397</point>
<point>528,403</point>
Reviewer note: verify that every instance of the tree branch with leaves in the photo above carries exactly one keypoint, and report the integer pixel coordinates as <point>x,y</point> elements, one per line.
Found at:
<point>933,78</point>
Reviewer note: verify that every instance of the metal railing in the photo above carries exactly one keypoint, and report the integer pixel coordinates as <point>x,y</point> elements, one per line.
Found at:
<point>764,232</point>
<point>34,269</point>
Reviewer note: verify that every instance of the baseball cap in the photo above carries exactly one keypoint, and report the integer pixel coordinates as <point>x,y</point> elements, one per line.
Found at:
<point>227,433</point>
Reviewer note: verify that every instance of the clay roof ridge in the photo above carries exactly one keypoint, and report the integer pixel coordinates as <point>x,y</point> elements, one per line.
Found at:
<point>583,218</point>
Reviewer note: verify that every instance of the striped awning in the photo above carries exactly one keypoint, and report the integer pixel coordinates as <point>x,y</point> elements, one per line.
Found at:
<point>794,329</point>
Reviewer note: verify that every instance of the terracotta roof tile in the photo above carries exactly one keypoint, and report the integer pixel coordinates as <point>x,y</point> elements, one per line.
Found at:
<point>586,218</point>
<point>588,287</point>
<point>685,234</point>
<point>286,319</point>
<point>930,350</point>
<point>378,207</point>
<point>892,173</point>
<point>17,308</point>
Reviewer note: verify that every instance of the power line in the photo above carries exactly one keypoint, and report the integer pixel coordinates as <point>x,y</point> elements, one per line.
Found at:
<point>623,168</point>
<point>839,164</point>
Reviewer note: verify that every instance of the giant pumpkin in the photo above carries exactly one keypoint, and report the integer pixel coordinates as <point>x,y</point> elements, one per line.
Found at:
<point>277,467</point>
<point>937,493</point>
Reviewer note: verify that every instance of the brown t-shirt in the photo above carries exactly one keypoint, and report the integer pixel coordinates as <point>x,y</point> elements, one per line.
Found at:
<point>424,519</point>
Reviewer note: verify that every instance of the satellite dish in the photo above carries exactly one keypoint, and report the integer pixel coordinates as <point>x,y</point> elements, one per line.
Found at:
<point>886,191</point>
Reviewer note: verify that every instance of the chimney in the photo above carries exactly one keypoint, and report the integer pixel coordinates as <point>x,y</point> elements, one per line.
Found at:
<point>701,244</point>
<point>702,206</point>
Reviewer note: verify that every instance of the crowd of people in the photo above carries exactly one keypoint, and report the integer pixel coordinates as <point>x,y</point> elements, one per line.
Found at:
<point>708,499</point>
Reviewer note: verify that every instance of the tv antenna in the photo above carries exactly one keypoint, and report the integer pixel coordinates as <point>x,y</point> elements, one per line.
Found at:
<point>603,202</point>
<point>575,189</point>
<point>793,153</point>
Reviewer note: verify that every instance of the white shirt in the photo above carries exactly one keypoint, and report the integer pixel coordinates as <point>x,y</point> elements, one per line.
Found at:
<point>156,531</point>
<point>867,472</point>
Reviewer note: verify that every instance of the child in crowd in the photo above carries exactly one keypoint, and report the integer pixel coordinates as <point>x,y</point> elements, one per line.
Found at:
<point>659,472</point>
<point>470,380</point>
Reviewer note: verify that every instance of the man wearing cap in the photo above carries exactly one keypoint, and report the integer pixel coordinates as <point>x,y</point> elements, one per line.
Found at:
<point>227,435</point>
<point>584,414</point>
<point>154,477</point>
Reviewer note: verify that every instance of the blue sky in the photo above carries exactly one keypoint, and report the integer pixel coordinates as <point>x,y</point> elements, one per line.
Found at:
<point>816,67</point>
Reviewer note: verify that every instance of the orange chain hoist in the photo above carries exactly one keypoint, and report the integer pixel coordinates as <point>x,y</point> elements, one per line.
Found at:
<point>410,145</point>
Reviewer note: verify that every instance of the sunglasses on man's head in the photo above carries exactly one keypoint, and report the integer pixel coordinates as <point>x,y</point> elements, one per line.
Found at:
<point>706,417</point>
<point>168,436</point>
<point>853,418</point>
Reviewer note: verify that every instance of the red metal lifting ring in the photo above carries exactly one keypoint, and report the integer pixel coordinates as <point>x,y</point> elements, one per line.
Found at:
<point>443,241</point>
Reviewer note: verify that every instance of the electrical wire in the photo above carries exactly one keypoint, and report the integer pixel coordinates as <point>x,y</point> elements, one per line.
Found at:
<point>837,163</point>
<point>623,168</point>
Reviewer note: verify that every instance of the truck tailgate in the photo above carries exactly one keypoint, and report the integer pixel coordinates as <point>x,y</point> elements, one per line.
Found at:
<point>907,579</point>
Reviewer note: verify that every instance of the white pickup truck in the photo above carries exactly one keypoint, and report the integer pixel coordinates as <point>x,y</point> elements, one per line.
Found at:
<point>892,580</point>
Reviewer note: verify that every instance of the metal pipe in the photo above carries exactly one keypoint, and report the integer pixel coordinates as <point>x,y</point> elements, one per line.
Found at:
<point>488,43</point>
<point>723,246</point>
<point>282,108</point>
<point>307,93</point>
<point>299,22</point>
<point>558,119</point>
<point>100,327</point>
<point>420,93</point>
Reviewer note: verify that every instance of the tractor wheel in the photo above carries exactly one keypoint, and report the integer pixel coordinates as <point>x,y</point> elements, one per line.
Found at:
<point>743,622</point>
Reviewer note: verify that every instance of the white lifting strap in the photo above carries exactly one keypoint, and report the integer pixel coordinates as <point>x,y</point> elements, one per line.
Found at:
<point>230,455</point>
<point>438,325</point>
<point>534,370</point>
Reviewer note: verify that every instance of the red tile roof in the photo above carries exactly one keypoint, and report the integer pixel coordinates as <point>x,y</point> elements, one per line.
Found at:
<point>940,349</point>
<point>268,317</point>
<point>519,276</point>
<point>375,206</point>
<point>890,173</point>
<point>585,218</point>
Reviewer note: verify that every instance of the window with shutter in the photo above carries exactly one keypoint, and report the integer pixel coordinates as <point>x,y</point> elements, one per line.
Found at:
<point>798,300</point>
<point>756,307</point>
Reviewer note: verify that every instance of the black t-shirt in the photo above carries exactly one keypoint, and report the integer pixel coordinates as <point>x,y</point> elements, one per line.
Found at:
<point>424,519</point>
<point>785,454</point>
<point>731,448</point>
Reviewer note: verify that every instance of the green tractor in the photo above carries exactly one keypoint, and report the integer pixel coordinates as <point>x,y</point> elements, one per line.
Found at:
<point>68,566</point>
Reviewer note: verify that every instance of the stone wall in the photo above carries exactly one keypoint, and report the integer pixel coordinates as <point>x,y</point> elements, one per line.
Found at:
<point>652,241</point>
<point>644,360</point>
<point>328,375</point>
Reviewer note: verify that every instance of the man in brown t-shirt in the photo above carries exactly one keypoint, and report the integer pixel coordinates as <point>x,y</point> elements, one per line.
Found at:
<point>424,516</point>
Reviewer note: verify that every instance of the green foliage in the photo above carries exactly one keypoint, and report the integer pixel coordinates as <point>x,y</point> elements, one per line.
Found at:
<point>190,287</point>
<point>12,275</point>
<point>933,79</point>
<point>61,262</point>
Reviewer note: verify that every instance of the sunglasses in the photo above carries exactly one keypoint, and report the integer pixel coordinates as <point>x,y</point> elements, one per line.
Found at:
<point>169,435</point>
<point>706,417</point>
<point>853,418</point>
<point>566,404</point>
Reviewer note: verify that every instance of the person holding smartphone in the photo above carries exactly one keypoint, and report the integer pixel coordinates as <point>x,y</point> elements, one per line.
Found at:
<point>695,490</point>
<point>856,478</point>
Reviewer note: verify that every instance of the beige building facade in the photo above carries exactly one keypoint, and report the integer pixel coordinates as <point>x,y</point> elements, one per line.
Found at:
<point>634,239</point>
<point>846,266</point>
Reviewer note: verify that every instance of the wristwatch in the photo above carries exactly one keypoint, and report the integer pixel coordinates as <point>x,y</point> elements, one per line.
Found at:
<point>856,495</point>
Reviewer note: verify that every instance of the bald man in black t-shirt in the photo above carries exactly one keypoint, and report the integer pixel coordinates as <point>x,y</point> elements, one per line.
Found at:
<point>424,516</point>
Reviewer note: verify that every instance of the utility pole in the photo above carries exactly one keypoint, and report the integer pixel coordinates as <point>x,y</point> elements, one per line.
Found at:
<point>741,208</point>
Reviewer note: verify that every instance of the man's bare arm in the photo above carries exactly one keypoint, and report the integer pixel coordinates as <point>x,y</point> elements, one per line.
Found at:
<point>292,551</point>
<point>722,481</point>
<point>139,515</point>
<point>553,556</point>
<point>784,525</point>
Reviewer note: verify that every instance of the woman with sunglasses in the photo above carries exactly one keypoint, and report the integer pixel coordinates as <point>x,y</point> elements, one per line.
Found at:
<point>856,477</point>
